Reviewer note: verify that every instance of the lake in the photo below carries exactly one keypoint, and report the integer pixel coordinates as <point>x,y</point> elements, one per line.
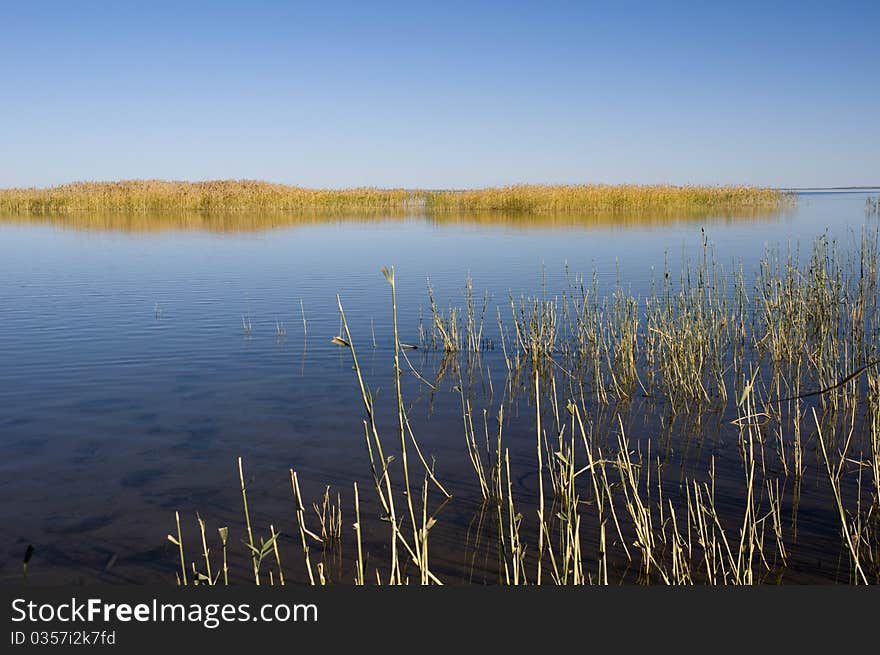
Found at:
<point>140,360</point>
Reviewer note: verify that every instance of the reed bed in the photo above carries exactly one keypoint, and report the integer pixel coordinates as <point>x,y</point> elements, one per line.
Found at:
<point>788,368</point>
<point>242,196</point>
<point>531,198</point>
<point>225,196</point>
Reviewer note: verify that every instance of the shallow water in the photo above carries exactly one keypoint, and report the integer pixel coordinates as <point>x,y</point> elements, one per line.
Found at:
<point>128,385</point>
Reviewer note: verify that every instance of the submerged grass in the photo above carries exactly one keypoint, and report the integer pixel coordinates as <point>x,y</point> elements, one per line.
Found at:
<point>242,196</point>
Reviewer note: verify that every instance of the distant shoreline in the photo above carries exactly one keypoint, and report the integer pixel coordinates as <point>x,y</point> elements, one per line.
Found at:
<point>250,195</point>
<point>829,188</point>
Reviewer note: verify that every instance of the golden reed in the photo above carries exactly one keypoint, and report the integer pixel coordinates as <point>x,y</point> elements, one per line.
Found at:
<point>144,196</point>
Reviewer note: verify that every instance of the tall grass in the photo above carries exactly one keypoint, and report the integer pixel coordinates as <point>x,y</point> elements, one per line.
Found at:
<point>242,196</point>
<point>531,198</point>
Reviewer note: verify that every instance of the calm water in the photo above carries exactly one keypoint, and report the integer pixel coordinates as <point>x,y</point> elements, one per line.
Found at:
<point>128,386</point>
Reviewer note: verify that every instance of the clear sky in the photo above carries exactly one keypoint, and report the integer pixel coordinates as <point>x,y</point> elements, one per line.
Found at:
<point>441,94</point>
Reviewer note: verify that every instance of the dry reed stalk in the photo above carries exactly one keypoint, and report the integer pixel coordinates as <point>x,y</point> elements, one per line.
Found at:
<point>359,570</point>
<point>834,478</point>
<point>247,518</point>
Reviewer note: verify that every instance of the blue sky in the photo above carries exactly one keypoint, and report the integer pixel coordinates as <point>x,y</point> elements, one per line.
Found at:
<point>441,94</point>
